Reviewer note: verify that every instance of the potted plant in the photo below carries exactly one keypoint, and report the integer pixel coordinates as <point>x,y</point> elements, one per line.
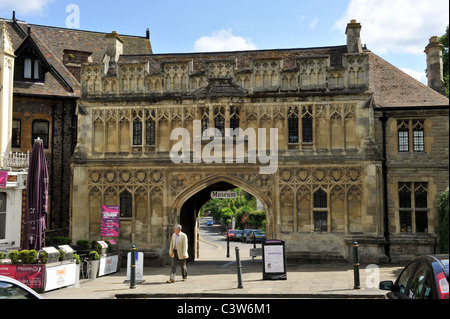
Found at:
<point>94,260</point>
<point>77,273</point>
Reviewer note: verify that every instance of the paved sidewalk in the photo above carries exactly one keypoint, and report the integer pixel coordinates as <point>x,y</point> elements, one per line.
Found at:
<point>215,276</point>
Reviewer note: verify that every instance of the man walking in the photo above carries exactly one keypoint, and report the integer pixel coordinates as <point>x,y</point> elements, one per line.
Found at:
<point>178,252</point>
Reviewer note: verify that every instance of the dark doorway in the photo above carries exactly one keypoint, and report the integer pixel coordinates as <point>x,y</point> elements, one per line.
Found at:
<point>189,214</point>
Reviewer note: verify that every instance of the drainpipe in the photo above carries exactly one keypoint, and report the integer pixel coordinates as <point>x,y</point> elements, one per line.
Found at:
<point>384,120</point>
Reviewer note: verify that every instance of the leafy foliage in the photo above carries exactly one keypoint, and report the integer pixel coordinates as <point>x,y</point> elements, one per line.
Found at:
<point>444,41</point>
<point>443,222</point>
<point>242,208</point>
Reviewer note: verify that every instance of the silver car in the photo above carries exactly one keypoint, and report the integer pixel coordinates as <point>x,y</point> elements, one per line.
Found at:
<point>13,289</point>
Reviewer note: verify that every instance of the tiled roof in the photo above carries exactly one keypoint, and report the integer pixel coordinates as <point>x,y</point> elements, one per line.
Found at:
<point>391,86</point>
<point>242,59</point>
<point>52,41</point>
<point>394,88</point>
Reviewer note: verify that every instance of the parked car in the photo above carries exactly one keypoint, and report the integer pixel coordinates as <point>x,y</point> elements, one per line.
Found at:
<point>425,277</point>
<point>238,235</point>
<point>258,234</point>
<point>14,289</point>
<point>230,234</point>
<point>210,222</point>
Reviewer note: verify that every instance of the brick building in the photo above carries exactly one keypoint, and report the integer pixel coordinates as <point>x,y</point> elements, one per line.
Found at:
<point>45,93</point>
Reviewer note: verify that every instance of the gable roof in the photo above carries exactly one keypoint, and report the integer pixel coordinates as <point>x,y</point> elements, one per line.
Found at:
<point>394,88</point>
<point>52,41</point>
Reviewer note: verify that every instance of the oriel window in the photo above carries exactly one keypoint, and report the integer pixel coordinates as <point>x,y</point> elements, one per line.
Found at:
<point>205,121</point>
<point>307,125</point>
<point>150,128</point>
<point>219,121</point>
<point>137,128</point>
<point>293,125</point>
<point>234,117</point>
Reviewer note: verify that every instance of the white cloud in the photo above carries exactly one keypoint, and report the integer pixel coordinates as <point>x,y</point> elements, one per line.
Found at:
<point>419,76</point>
<point>25,7</point>
<point>397,26</point>
<point>223,40</point>
<point>313,23</point>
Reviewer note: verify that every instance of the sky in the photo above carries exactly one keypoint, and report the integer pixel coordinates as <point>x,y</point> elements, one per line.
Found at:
<point>396,30</point>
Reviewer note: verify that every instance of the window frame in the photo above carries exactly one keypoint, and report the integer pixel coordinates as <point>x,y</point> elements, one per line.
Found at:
<point>126,204</point>
<point>16,139</point>
<point>45,137</point>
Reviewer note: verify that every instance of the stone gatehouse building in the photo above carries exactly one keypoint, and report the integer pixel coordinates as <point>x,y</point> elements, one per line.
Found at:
<point>362,148</point>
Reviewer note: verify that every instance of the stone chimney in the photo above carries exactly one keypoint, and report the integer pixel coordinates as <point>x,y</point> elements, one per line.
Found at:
<point>114,48</point>
<point>353,33</point>
<point>435,65</point>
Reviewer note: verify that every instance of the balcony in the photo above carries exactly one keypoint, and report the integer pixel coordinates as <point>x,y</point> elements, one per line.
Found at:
<point>14,160</point>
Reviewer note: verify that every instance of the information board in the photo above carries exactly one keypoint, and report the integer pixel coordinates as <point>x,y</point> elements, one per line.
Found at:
<point>274,260</point>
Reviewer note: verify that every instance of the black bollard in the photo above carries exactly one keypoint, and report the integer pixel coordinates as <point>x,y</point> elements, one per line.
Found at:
<point>228,245</point>
<point>239,268</point>
<point>133,268</point>
<point>356,266</point>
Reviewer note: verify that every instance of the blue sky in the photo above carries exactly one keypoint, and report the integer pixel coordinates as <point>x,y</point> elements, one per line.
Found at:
<point>396,30</point>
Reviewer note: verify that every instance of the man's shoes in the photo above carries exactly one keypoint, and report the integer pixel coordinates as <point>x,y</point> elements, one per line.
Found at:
<point>170,281</point>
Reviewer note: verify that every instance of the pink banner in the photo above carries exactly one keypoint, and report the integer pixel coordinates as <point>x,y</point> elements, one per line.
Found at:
<point>110,221</point>
<point>3,179</point>
<point>30,275</point>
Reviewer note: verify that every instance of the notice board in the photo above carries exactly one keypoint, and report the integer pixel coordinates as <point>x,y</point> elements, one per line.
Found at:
<point>274,260</point>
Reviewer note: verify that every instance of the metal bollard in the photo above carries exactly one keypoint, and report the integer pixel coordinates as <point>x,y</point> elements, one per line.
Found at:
<point>356,266</point>
<point>133,268</point>
<point>228,245</point>
<point>239,268</point>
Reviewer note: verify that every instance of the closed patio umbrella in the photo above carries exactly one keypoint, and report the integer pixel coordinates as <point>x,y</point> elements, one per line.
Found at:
<point>36,199</point>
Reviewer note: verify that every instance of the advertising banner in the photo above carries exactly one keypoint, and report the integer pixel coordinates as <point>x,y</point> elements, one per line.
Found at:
<point>110,221</point>
<point>30,275</point>
<point>60,276</point>
<point>108,265</point>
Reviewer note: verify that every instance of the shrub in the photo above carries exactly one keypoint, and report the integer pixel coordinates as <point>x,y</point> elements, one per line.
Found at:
<point>43,257</point>
<point>83,243</point>
<point>93,255</point>
<point>28,256</point>
<point>443,212</point>
<point>14,256</point>
<point>2,255</point>
<point>77,258</point>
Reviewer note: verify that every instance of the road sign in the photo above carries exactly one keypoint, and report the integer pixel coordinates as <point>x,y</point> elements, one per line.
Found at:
<point>223,194</point>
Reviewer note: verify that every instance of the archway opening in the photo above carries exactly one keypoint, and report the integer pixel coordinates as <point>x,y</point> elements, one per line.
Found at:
<point>190,210</point>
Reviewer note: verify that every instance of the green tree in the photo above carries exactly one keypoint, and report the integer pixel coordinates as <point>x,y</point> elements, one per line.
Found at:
<point>443,222</point>
<point>241,208</point>
<point>444,41</point>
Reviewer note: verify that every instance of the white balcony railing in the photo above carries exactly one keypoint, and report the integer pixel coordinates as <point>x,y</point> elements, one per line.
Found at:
<point>15,160</point>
